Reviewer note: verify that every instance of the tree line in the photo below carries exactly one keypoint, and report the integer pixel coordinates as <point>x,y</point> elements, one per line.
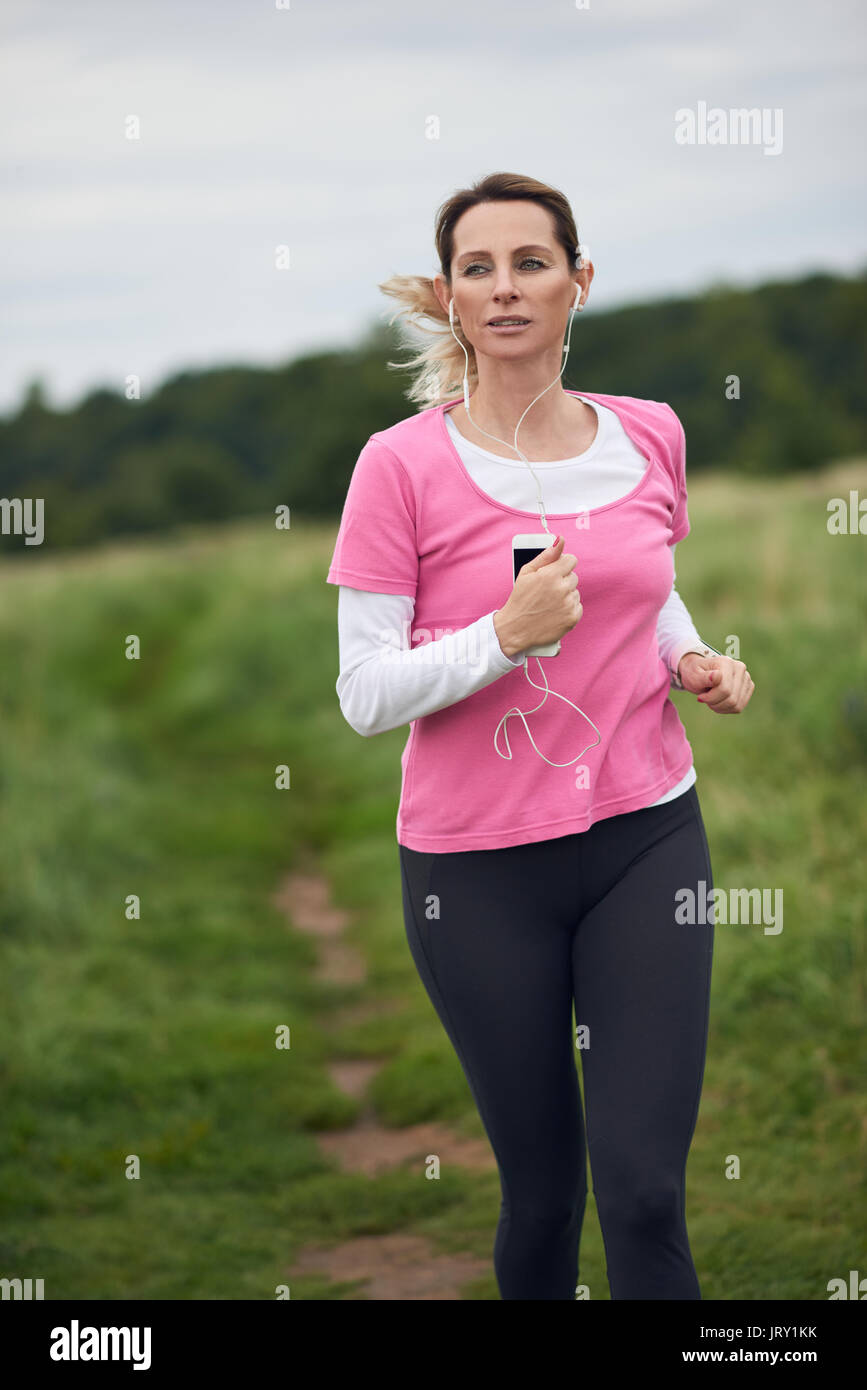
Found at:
<point>765,380</point>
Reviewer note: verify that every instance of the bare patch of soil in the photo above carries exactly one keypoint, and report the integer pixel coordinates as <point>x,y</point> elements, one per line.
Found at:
<point>306,901</point>
<point>395,1266</point>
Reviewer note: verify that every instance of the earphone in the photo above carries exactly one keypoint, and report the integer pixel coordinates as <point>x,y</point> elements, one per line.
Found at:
<point>581,258</point>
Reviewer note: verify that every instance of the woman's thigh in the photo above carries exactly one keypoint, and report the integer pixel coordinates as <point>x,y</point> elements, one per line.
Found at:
<point>493,950</point>
<point>642,989</point>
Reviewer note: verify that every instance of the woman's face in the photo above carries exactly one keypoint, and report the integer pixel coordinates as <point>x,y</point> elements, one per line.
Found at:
<point>507,262</point>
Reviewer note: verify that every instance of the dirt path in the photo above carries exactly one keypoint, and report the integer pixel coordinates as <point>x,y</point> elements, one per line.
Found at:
<point>399,1265</point>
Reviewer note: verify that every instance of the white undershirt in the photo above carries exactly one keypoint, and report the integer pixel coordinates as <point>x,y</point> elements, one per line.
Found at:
<point>377,695</point>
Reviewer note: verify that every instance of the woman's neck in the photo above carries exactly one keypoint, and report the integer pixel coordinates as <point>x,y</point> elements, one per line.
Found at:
<point>557,426</point>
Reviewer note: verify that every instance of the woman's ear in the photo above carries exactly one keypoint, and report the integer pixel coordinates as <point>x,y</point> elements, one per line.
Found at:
<point>442,291</point>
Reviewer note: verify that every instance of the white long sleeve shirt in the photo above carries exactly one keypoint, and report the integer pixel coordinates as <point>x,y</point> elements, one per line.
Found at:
<point>378,694</point>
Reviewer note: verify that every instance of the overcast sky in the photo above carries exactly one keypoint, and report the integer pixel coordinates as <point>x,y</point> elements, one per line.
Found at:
<point>308,126</point>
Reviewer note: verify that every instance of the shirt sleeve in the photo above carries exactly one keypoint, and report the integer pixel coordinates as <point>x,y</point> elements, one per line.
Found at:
<point>676,634</point>
<point>675,630</point>
<point>680,518</point>
<point>376,546</point>
<point>383,682</point>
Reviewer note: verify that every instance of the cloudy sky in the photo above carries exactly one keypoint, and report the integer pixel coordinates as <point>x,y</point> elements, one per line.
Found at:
<point>335,128</point>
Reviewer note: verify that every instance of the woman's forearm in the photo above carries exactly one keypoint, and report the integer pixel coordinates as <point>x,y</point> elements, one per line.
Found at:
<point>675,631</point>
<point>384,683</point>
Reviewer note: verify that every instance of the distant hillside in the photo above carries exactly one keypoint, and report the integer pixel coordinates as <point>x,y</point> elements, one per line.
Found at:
<point>237,441</point>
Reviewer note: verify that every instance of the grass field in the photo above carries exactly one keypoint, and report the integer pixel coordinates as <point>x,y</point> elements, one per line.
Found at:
<point>155,1035</point>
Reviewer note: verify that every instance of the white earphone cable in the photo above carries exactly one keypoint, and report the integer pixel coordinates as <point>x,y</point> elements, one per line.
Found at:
<point>520,713</point>
<point>580,260</point>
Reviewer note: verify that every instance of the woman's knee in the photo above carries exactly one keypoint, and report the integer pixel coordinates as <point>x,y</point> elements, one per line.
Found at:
<point>644,1206</point>
<point>547,1211</point>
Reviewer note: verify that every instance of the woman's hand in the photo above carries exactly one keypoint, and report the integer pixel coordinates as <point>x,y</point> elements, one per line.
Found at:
<point>720,682</point>
<point>544,603</point>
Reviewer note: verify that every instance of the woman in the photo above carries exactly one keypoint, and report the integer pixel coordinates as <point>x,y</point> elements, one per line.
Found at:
<point>532,879</point>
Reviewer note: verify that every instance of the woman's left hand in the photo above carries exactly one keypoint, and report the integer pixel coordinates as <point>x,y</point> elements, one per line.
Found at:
<point>720,682</point>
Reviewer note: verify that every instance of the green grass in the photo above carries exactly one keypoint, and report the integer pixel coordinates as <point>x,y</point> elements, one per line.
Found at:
<point>155,1036</point>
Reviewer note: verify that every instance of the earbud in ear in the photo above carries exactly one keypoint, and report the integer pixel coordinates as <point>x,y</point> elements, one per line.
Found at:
<point>575,304</point>
<point>452,312</point>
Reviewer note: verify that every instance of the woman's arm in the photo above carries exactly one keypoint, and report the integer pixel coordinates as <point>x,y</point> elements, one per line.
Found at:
<point>384,683</point>
<point>676,633</point>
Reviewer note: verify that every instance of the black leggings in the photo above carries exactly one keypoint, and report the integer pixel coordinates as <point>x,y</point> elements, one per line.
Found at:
<point>504,940</point>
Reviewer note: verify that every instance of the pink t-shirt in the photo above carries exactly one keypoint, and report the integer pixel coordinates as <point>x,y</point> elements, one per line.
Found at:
<point>414,522</point>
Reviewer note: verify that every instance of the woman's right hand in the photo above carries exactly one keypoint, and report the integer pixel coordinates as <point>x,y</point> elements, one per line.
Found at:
<point>543,604</point>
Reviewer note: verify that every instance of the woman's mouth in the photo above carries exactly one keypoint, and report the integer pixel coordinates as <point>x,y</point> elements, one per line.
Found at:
<point>512,324</point>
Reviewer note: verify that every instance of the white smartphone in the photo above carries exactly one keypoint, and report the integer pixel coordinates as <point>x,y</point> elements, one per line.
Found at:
<point>526,547</point>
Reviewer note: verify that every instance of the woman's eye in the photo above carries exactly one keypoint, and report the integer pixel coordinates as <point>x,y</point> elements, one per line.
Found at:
<point>477,265</point>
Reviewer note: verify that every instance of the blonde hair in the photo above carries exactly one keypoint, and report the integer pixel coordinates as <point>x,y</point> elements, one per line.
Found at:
<point>438,366</point>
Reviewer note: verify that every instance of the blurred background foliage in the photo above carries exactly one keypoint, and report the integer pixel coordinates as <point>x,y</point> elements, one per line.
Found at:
<point>238,441</point>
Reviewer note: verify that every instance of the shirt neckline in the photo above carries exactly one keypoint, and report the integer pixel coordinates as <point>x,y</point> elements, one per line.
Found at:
<point>517,511</point>
<point>576,459</point>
